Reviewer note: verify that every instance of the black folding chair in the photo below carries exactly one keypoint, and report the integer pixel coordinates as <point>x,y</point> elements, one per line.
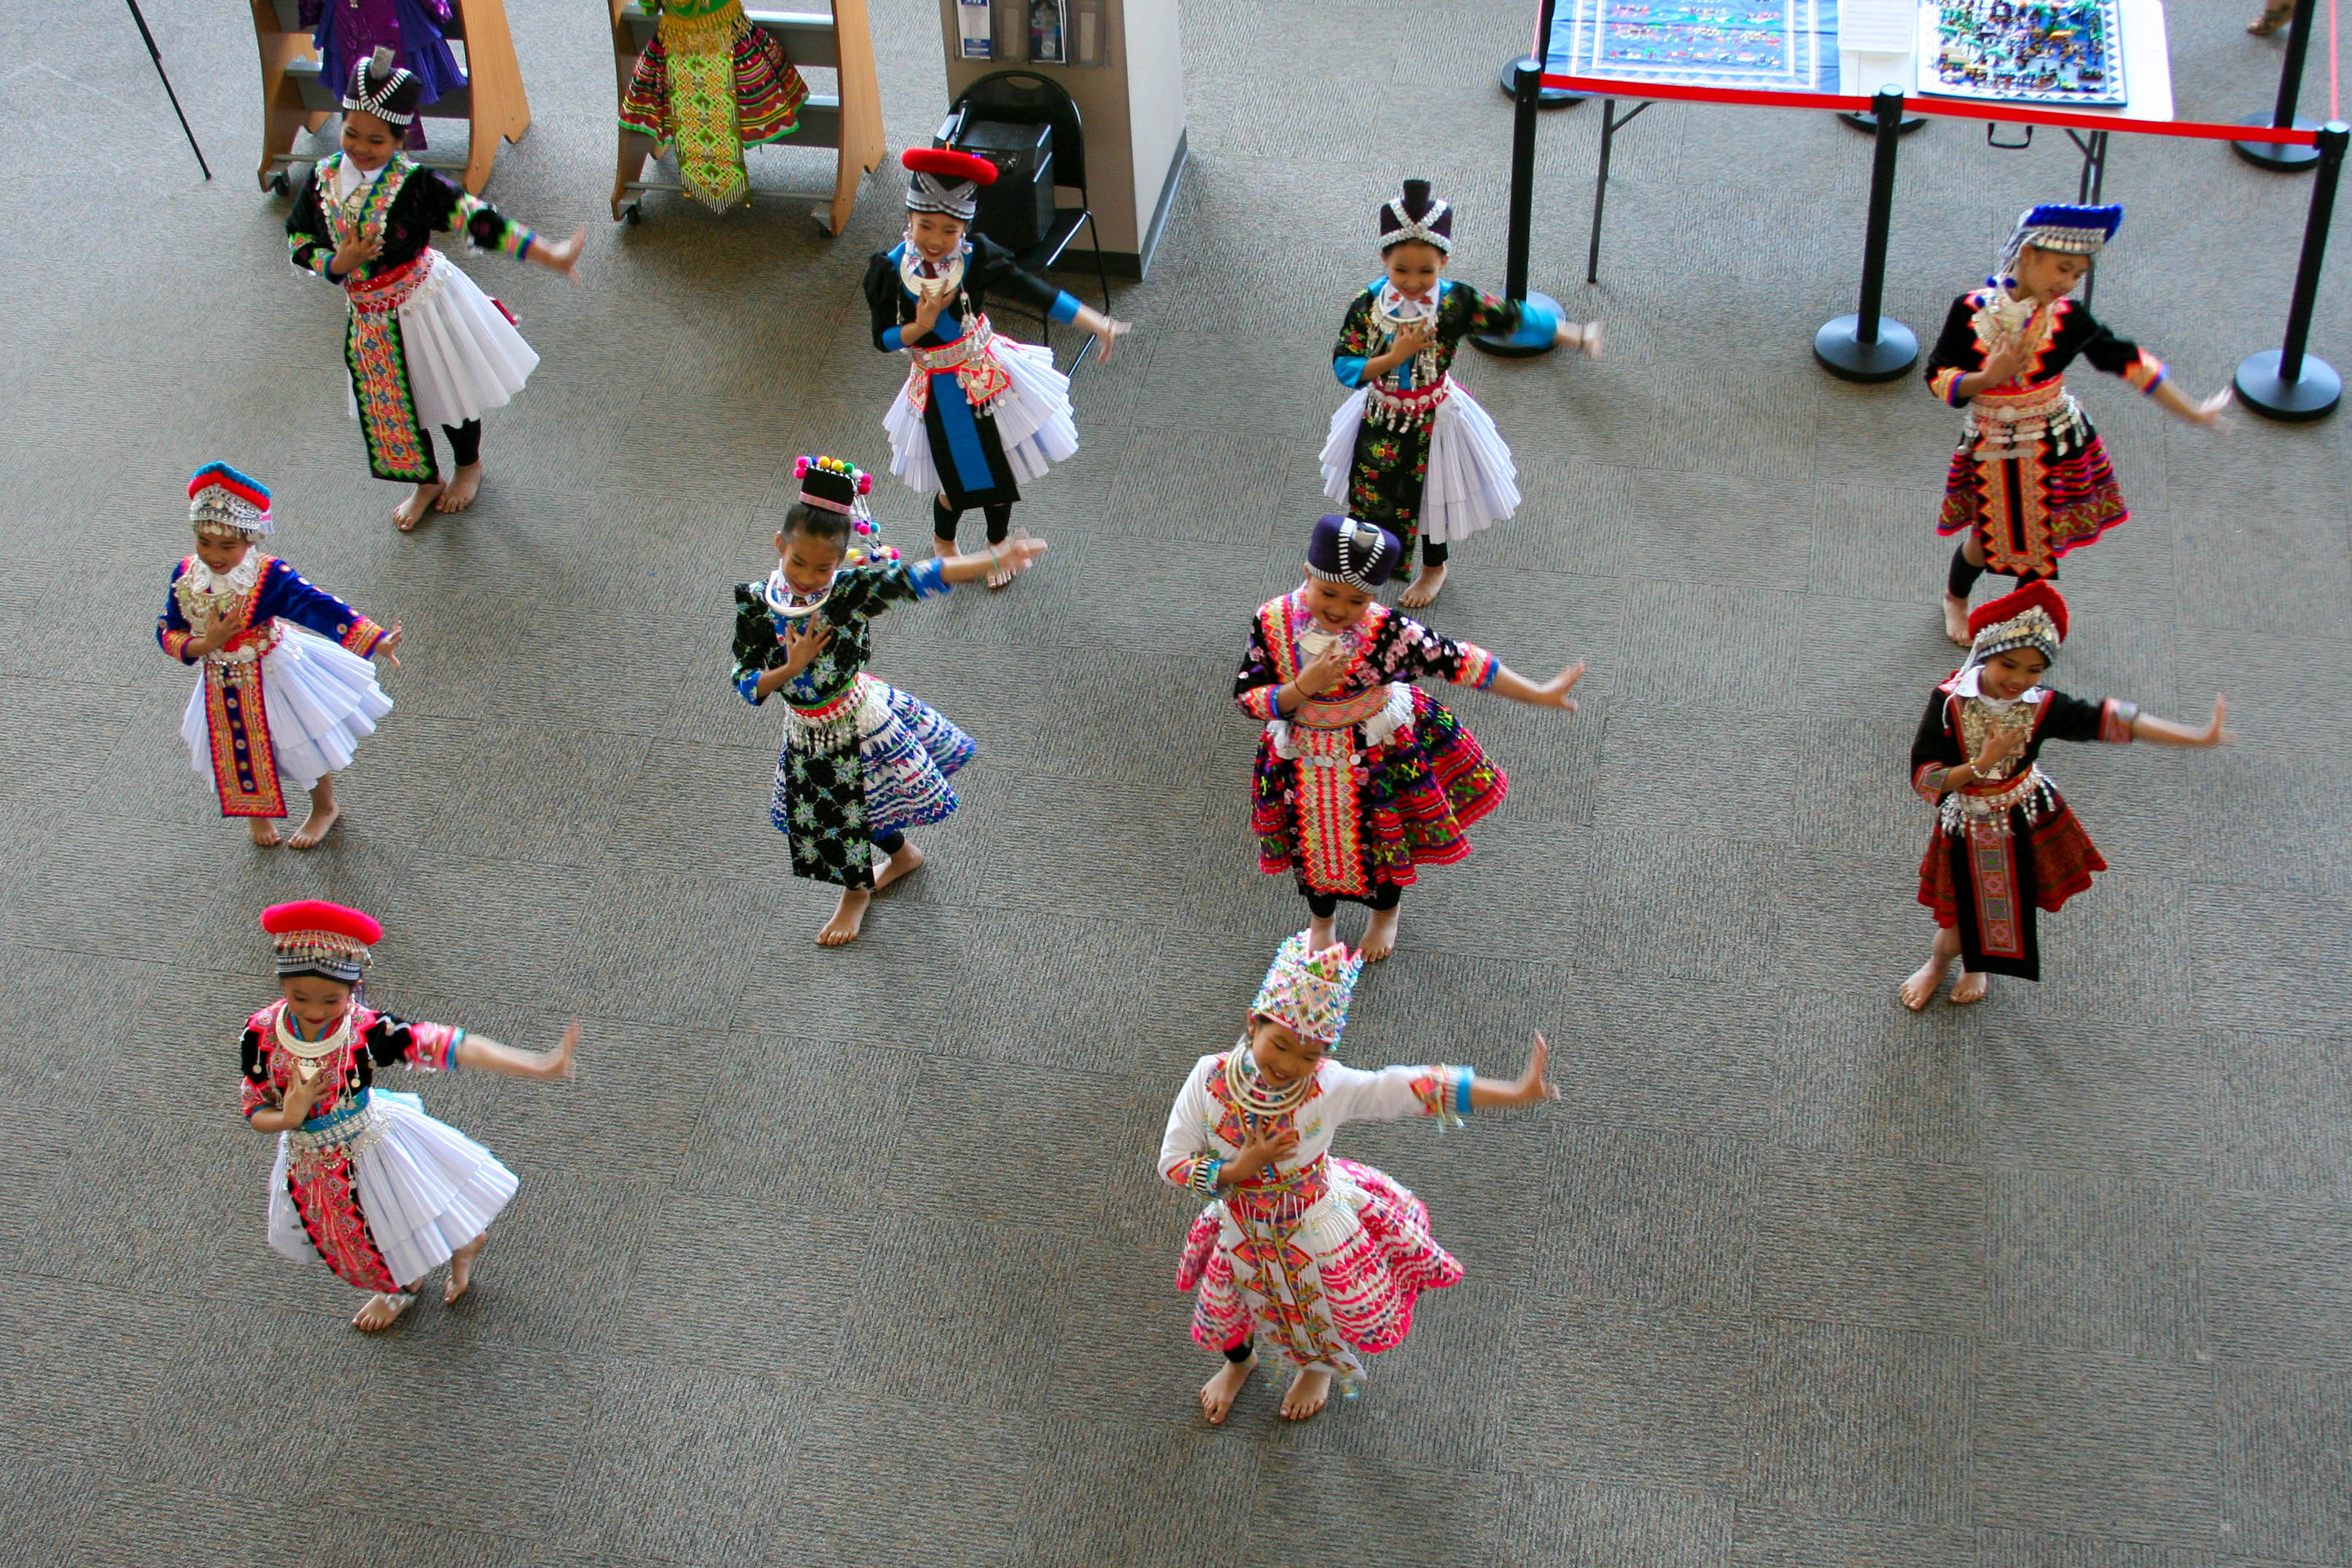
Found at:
<point>1024,98</point>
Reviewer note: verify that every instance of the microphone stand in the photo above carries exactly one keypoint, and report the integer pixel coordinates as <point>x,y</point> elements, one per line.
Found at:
<point>157,56</point>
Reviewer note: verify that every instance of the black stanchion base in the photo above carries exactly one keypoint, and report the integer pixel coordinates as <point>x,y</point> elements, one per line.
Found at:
<point>1546,97</point>
<point>2285,157</point>
<point>2312,395</point>
<point>1848,358</point>
<point>1868,123</point>
<point>1505,348</point>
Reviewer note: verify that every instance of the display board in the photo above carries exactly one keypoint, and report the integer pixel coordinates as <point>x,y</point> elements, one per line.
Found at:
<point>2024,51</point>
<point>1788,45</point>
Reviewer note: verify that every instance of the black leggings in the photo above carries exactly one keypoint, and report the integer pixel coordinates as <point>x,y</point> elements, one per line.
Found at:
<point>1242,1352</point>
<point>1434,552</point>
<point>1326,905</point>
<point>944,520</point>
<point>465,442</point>
<point>891,844</point>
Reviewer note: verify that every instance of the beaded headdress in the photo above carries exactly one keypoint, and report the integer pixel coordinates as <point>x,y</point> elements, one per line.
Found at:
<point>1360,554</point>
<point>832,484</point>
<point>383,90</point>
<point>1417,216</point>
<point>2032,617</point>
<point>222,500</point>
<point>1309,991</point>
<point>2058,225</point>
<point>315,937</point>
<point>942,180</point>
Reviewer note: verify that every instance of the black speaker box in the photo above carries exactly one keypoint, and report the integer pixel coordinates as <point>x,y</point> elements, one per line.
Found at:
<point>1018,212</point>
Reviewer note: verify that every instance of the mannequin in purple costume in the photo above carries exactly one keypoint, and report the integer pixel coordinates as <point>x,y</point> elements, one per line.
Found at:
<point>349,31</point>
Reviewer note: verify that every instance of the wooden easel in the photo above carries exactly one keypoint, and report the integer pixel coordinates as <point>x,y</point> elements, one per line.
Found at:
<point>851,122</point>
<point>294,98</point>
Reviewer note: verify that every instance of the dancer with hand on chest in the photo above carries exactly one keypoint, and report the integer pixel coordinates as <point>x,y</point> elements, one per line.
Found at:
<point>1362,776</point>
<point>2031,480</point>
<point>2006,843</point>
<point>364,1181</point>
<point>1411,450</point>
<point>980,413</point>
<point>862,761</point>
<point>423,345</point>
<point>285,693</point>
<point>1319,1258</point>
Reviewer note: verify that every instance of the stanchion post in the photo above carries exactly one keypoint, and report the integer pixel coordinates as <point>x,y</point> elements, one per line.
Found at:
<point>2290,157</point>
<point>1523,212</point>
<point>2286,383</point>
<point>1865,346</point>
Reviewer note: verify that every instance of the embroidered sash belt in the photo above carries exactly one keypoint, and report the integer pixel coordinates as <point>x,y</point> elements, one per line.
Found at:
<point>1999,423</point>
<point>236,725</point>
<point>1323,734</point>
<point>341,1134</point>
<point>1965,811</point>
<point>249,646</point>
<point>836,723</point>
<point>1406,410</point>
<point>972,358</point>
<point>1283,1199</point>
<point>388,291</point>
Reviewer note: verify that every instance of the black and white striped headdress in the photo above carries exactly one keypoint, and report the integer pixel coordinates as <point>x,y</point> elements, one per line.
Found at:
<point>1360,554</point>
<point>383,90</point>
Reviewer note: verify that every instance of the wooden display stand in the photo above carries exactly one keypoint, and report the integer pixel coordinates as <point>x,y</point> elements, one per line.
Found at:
<point>851,122</point>
<point>294,98</point>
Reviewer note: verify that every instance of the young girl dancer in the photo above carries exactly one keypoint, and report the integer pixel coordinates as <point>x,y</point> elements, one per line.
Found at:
<point>424,346</point>
<point>287,692</point>
<point>980,413</point>
<point>2006,843</point>
<point>2030,479</point>
<point>1410,450</point>
<point>862,760</point>
<point>1321,1258</point>
<point>711,84</point>
<point>1362,776</point>
<point>365,1182</point>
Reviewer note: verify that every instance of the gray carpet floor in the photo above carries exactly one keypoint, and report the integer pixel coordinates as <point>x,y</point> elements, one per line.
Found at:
<point>857,1257</point>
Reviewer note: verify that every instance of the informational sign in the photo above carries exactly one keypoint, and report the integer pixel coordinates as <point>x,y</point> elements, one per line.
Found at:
<point>973,25</point>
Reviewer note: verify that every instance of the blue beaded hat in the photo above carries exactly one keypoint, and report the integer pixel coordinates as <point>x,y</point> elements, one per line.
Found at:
<point>1360,554</point>
<point>222,500</point>
<point>2057,226</point>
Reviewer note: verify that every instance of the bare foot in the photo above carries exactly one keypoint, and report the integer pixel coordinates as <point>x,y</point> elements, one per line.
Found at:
<point>847,916</point>
<point>1217,1395</point>
<point>1425,587</point>
<point>1956,619</point>
<point>461,1269</point>
<point>264,830</point>
<point>411,512</point>
<point>314,827</point>
<point>907,860</point>
<point>1308,1392</point>
<point>1925,982</point>
<point>1319,934</point>
<point>458,493</point>
<point>1380,935</point>
<point>381,1311</point>
<point>1971,988</point>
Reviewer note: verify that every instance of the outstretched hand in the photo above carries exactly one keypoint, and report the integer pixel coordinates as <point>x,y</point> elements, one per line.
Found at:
<point>2215,733</point>
<point>2213,412</point>
<point>1554,692</point>
<point>1533,1087</point>
<point>1019,553</point>
<point>563,258</point>
<point>388,641</point>
<point>556,1067</point>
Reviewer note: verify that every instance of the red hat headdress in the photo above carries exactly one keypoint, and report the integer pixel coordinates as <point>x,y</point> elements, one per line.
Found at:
<point>2032,617</point>
<point>315,937</point>
<point>942,180</point>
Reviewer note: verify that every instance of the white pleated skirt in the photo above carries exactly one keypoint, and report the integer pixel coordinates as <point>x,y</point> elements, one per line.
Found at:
<point>319,698</point>
<point>1472,482</point>
<point>464,355</point>
<point>1033,421</point>
<point>425,1188</point>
